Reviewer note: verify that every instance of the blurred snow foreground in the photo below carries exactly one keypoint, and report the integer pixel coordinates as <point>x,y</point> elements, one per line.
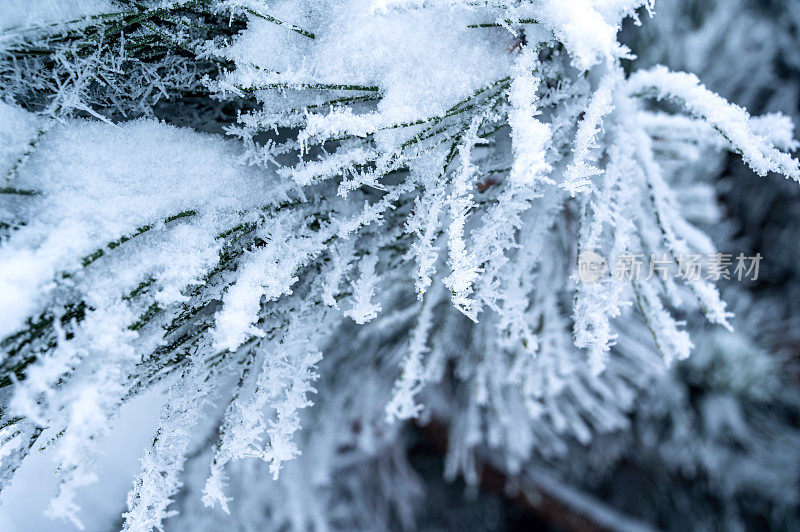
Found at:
<point>386,230</point>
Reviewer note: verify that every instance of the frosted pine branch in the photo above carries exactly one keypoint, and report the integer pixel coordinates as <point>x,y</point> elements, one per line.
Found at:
<point>383,225</point>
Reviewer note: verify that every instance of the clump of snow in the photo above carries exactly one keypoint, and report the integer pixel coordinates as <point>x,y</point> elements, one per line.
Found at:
<point>18,131</point>
<point>20,14</point>
<point>97,183</point>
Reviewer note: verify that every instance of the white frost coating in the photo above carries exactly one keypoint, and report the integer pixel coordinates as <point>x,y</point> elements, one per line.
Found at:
<point>378,134</point>
<point>464,269</point>
<point>672,343</point>
<point>529,136</point>
<point>614,10</point>
<point>403,404</point>
<point>668,220</point>
<point>159,479</point>
<point>578,174</point>
<point>268,272</point>
<point>527,178</point>
<point>426,221</point>
<point>334,276</point>
<point>777,128</point>
<point>589,38</point>
<point>730,120</point>
<point>364,308</point>
<point>262,417</point>
<point>86,403</point>
<point>597,304</point>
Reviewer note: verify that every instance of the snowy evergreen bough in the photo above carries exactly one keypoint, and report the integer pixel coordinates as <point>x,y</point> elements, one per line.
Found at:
<point>307,223</point>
